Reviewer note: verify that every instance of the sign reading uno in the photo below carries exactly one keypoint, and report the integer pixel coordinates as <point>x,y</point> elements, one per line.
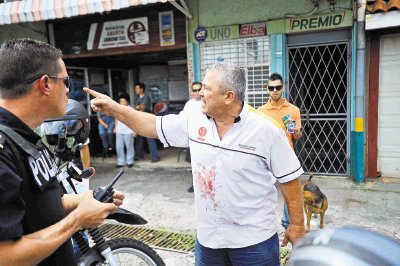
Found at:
<point>318,22</point>
<point>230,32</point>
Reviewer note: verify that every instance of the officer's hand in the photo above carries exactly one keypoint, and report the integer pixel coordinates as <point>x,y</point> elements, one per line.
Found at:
<point>118,197</point>
<point>91,212</point>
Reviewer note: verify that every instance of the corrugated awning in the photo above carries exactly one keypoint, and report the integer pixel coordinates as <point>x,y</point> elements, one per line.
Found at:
<point>37,10</point>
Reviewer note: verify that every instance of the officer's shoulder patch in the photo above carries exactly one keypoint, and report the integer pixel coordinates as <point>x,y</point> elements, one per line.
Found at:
<point>2,140</point>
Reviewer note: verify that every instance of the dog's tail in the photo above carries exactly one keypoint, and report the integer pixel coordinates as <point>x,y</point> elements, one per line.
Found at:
<point>311,176</point>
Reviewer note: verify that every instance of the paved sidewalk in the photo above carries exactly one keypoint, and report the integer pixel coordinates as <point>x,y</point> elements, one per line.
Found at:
<point>157,191</point>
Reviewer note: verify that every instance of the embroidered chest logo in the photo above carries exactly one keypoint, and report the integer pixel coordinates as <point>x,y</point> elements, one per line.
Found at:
<point>247,147</point>
<point>202,133</point>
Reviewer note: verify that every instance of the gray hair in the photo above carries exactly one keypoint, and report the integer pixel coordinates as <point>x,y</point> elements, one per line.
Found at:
<point>22,59</point>
<point>231,77</point>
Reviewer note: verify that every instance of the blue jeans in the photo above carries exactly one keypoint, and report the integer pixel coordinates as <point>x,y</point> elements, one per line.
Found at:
<point>106,135</point>
<point>125,140</point>
<point>285,218</point>
<point>152,148</point>
<point>265,253</point>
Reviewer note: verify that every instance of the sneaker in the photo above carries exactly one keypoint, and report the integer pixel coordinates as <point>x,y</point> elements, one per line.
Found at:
<point>130,165</point>
<point>190,190</point>
<point>154,161</point>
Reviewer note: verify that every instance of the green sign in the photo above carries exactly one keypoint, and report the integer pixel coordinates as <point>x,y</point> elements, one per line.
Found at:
<point>222,33</point>
<point>311,23</point>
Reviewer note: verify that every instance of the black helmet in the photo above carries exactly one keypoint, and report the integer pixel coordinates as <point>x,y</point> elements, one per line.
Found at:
<point>75,123</point>
<point>345,246</point>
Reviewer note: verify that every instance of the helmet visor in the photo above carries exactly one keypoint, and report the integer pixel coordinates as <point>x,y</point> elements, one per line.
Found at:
<point>68,127</point>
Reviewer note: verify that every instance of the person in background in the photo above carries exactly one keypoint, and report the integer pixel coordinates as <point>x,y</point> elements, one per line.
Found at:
<point>192,106</point>
<point>36,219</point>
<point>106,129</point>
<point>143,104</point>
<point>280,109</point>
<point>124,138</point>
<point>238,153</point>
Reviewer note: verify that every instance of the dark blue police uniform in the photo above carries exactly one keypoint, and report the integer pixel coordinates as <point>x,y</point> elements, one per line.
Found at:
<point>30,195</point>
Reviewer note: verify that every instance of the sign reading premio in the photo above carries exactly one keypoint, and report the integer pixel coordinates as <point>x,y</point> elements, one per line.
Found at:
<point>118,33</point>
<point>320,22</point>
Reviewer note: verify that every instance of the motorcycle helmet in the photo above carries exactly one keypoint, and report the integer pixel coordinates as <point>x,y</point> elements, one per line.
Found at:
<point>75,123</point>
<point>345,246</point>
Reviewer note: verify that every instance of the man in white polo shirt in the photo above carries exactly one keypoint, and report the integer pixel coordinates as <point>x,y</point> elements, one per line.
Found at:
<point>237,155</point>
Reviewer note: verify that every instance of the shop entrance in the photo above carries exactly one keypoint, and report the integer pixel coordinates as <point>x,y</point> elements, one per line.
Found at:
<point>319,79</point>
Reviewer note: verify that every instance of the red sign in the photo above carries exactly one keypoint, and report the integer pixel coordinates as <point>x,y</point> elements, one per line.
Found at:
<point>251,30</point>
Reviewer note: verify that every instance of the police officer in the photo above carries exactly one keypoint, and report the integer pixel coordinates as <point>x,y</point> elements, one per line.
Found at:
<point>36,219</point>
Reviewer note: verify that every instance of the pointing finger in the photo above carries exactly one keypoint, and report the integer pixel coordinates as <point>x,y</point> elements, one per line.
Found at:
<point>92,92</point>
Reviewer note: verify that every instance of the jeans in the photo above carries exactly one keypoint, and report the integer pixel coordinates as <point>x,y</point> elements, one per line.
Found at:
<point>265,253</point>
<point>106,135</point>
<point>152,148</point>
<point>285,222</point>
<point>125,140</point>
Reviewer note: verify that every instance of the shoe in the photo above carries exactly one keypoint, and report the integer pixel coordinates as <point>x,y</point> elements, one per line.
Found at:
<point>190,190</point>
<point>154,161</point>
<point>130,165</point>
<point>138,158</point>
<point>119,166</point>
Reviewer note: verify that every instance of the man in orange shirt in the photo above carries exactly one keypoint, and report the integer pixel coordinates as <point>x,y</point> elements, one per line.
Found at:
<point>279,109</point>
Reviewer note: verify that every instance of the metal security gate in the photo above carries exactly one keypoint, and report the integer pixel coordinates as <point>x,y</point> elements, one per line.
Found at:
<point>318,76</point>
<point>250,53</point>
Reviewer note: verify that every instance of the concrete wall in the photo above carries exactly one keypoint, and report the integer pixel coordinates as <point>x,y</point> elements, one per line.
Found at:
<point>211,13</point>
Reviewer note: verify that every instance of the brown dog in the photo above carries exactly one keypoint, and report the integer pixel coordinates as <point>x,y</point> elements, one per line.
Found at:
<point>314,202</point>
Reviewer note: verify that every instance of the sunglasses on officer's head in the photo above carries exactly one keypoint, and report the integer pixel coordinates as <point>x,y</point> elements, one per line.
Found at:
<point>277,87</point>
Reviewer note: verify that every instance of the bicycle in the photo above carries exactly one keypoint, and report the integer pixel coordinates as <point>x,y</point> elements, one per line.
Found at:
<point>120,251</point>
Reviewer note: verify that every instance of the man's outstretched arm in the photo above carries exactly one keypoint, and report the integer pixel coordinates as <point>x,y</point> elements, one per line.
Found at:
<point>142,123</point>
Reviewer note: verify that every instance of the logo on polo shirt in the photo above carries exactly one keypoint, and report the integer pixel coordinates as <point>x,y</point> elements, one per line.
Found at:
<point>247,147</point>
<point>202,132</point>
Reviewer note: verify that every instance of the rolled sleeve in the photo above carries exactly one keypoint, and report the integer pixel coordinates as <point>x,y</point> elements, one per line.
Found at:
<point>284,164</point>
<point>172,130</point>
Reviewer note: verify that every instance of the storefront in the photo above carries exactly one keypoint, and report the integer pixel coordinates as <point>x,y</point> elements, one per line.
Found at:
<point>111,45</point>
<point>310,43</point>
<point>383,31</point>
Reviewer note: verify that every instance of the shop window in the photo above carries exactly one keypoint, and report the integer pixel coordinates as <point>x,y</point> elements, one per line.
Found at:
<point>250,53</point>
<point>77,76</point>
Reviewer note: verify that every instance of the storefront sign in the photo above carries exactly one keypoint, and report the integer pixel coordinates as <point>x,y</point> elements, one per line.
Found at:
<point>222,33</point>
<point>119,33</point>
<point>321,22</point>
<point>167,35</point>
<point>252,30</point>
<point>200,34</point>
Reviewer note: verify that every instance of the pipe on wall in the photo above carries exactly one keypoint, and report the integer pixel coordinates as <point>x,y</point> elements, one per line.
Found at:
<point>360,93</point>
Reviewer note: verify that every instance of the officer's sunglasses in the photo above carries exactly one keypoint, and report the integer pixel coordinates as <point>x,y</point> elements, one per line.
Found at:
<point>277,88</point>
<point>66,80</point>
<point>196,90</point>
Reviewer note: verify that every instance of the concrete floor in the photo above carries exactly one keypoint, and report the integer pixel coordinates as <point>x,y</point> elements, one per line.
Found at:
<point>157,191</point>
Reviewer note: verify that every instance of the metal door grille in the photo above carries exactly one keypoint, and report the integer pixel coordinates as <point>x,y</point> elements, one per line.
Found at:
<point>318,82</point>
<point>252,54</point>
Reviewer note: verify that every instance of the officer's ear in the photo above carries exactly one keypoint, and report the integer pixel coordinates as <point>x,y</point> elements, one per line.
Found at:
<point>44,84</point>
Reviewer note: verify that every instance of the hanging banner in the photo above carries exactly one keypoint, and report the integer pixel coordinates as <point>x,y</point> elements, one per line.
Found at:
<point>118,33</point>
<point>166,21</point>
